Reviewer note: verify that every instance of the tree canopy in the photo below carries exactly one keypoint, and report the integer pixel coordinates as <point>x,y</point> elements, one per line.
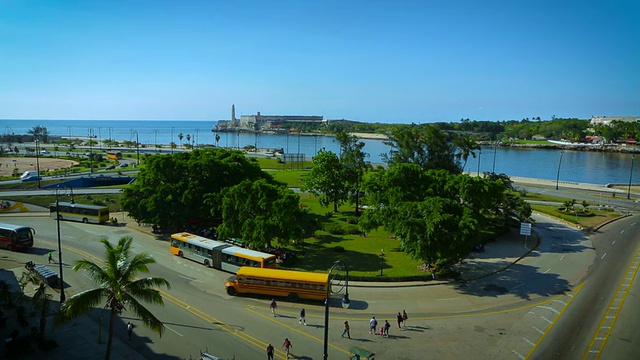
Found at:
<point>170,188</point>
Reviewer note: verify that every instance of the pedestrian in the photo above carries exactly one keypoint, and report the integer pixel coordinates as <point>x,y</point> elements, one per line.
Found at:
<point>399,319</point>
<point>373,323</point>
<point>50,257</point>
<point>269,352</point>
<point>303,319</point>
<point>129,329</point>
<point>404,318</point>
<point>273,306</point>
<point>386,328</point>
<point>346,330</point>
<point>287,346</point>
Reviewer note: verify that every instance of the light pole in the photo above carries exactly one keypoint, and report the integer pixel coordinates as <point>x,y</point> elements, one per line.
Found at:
<point>172,130</point>
<point>90,150</point>
<point>558,176</point>
<point>381,260</point>
<point>137,145</point>
<point>495,150</point>
<point>633,157</point>
<point>37,160</point>
<point>479,155</point>
<point>62,297</point>
<point>345,301</point>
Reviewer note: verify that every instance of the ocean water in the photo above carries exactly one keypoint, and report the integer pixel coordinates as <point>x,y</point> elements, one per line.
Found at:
<point>575,166</point>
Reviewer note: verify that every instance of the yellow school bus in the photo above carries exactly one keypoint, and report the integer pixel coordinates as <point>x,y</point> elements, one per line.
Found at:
<point>286,283</point>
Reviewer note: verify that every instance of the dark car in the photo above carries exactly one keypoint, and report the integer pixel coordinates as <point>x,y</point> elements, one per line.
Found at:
<point>110,167</point>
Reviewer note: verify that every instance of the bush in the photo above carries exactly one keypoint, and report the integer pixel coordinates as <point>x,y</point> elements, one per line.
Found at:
<point>335,229</point>
<point>338,249</point>
<point>352,220</point>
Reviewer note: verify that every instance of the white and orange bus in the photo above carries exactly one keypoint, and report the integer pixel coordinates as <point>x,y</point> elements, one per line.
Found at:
<point>16,237</point>
<point>218,255</point>
<point>293,285</point>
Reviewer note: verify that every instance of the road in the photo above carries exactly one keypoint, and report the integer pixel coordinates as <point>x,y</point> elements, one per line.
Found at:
<point>554,303</point>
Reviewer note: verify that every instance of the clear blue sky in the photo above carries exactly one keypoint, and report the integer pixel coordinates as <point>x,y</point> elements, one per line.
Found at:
<point>373,61</point>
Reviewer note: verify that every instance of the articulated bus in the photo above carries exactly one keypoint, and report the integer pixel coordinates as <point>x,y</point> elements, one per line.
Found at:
<point>217,254</point>
<point>80,212</point>
<point>16,237</point>
<point>286,283</point>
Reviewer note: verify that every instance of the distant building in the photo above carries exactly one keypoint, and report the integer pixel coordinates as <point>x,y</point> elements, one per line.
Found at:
<point>261,122</point>
<point>606,120</point>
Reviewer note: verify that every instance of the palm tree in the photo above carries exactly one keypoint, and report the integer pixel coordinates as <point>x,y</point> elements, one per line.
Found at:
<point>188,139</point>
<point>118,286</point>
<point>467,146</point>
<point>217,139</point>
<point>180,136</point>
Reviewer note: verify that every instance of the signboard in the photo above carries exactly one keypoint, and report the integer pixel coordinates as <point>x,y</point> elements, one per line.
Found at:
<point>525,229</point>
<point>286,158</point>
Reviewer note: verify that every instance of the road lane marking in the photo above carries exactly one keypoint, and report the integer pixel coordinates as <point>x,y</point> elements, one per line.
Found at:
<point>571,296</point>
<point>605,254</point>
<point>613,311</point>
<point>168,327</point>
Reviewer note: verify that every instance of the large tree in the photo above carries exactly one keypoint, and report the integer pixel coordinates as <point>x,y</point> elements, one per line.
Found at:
<point>354,165</point>
<point>425,146</point>
<point>437,215</point>
<point>119,287</point>
<point>259,212</point>
<point>325,180</point>
<point>170,188</point>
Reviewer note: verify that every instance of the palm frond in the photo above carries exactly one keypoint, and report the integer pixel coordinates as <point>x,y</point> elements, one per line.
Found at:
<point>82,302</point>
<point>147,317</point>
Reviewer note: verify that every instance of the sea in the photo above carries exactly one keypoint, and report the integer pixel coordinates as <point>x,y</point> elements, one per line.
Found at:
<point>550,164</point>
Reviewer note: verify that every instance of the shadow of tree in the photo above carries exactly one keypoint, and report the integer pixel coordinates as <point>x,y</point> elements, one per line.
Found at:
<point>519,280</point>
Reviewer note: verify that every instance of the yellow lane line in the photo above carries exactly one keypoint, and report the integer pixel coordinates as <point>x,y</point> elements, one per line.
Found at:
<point>611,306</point>
<point>574,294</point>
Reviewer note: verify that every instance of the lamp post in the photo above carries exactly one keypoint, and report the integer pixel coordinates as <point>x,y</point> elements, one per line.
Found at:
<point>558,176</point>
<point>37,160</point>
<point>137,145</point>
<point>90,150</point>
<point>633,157</point>
<point>345,302</point>
<point>479,155</point>
<point>495,150</point>
<point>381,260</point>
<point>62,297</point>
<point>172,131</point>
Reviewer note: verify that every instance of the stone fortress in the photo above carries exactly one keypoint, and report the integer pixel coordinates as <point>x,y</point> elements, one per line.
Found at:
<point>262,123</point>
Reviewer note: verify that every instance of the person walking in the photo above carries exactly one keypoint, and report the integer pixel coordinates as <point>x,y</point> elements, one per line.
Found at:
<point>399,320</point>
<point>287,346</point>
<point>129,329</point>
<point>273,306</point>
<point>50,257</point>
<point>303,319</point>
<point>373,323</point>
<point>346,330</point>
<point>386,328</point>
<point>404,318</point>
<point>269,352</point>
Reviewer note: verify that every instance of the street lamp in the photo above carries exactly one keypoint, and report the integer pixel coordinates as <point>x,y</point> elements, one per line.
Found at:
<point>495,150</point>
<point>90,150</point>
<point>479,155</point>
<point>137,145</point>
<point>381,260</point>
<point>633,157</point>
<point>37,160</point>
<point>558,176</point>
<point>345,301</point>
<point>62,297</point>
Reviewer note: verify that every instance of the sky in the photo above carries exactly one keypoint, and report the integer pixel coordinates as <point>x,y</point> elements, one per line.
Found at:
<point>373,61</point>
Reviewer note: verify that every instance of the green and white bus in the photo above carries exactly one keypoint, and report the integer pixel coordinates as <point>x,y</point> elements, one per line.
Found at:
<point>94,214</point>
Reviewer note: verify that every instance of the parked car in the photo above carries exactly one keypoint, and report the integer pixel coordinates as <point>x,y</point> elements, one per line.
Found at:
<point>110,167</point>
<point>123,165</point>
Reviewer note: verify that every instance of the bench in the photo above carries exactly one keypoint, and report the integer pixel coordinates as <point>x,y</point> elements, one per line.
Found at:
<point>47,275</point>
